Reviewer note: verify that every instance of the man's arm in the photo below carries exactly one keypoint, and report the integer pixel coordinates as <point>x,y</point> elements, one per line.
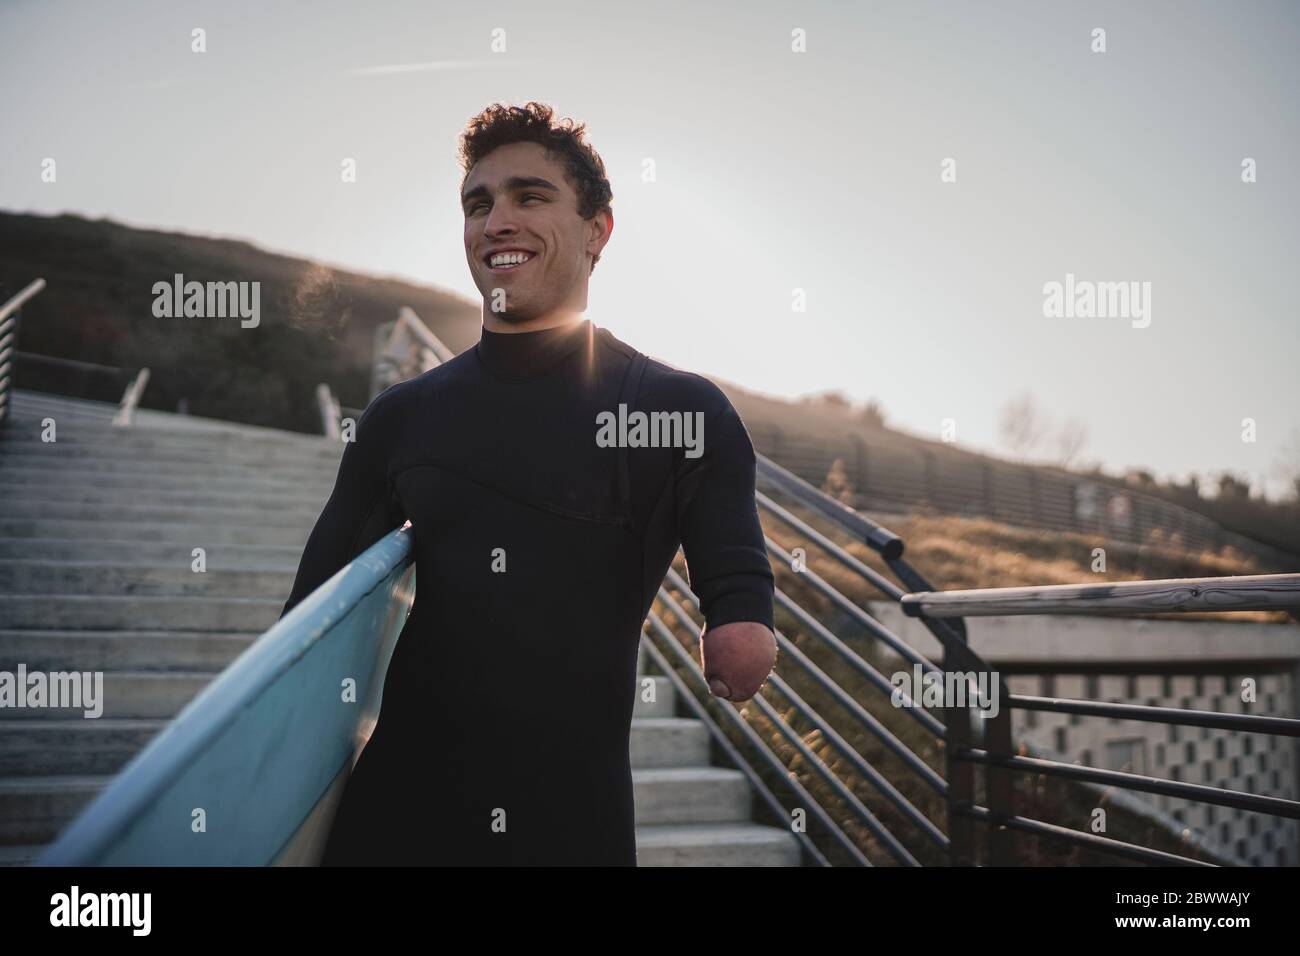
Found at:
<point>359,511</point>
<point>726,557</point>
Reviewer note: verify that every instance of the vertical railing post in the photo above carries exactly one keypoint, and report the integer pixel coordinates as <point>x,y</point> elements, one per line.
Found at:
<point>998,783</point>
<point>961,774</point>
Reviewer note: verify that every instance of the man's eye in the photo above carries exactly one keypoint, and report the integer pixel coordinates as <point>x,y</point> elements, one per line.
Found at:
<point>533,196</point>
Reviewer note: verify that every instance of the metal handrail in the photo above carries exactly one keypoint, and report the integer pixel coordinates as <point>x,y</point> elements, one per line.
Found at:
<point>330,412</point>
<point>996,756</point>
<point>18,301</point>
<point>10,313</point>
<point>131,399</point>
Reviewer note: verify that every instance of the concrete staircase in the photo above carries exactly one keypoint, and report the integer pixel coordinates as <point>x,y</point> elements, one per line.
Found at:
<point>96,538</point>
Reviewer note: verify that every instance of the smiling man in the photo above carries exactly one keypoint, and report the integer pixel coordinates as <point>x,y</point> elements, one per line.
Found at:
<point>507,706</point>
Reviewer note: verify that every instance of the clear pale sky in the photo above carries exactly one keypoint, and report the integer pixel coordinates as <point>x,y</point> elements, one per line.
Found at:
<point>775,171</point>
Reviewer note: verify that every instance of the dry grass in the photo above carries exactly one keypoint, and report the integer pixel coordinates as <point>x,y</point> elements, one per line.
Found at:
<point>956,553</point>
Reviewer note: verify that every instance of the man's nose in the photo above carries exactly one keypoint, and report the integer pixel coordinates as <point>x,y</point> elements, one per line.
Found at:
<point>499,225</point>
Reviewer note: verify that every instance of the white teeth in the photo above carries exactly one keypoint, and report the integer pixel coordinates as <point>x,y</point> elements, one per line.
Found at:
<point>509,258</point>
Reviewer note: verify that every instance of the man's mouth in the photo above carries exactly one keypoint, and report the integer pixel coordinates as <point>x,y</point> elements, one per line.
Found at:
<point>507,261</point>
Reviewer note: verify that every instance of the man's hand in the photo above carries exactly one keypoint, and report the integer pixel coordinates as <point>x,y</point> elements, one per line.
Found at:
<point>737,658</point>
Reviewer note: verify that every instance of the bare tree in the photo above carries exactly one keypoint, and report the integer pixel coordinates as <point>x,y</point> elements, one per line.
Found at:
<point>872,412</point>
<point>1287,466</point>
<point>1069,441</point>
<point>1021,426</point>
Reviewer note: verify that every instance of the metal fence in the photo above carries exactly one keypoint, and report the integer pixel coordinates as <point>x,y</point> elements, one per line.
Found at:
<point>892,474</point>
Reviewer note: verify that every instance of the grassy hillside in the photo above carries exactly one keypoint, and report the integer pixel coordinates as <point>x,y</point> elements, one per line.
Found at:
<point>317,323</point>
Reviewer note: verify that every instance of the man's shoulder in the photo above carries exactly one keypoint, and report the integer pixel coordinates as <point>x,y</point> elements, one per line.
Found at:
<point>673,388</point>
<point>666,387</point>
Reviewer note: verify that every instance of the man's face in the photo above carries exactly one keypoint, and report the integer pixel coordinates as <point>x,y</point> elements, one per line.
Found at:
<point>516,198</point>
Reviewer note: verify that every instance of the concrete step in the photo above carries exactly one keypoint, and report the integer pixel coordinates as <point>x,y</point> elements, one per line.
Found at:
<point>29,434</point>
<point>213,469</point>
<point>247,486</point>
<point>97,456</point>
<point>690,795</point>
<point>668,742</point>
<point>196,535</point>
<point>123,650</point>
<point>34,809</point>
<point>31,406</point>
<point>78,746</point>
<point>22,576</point>
<point>158,695</point>
<point>19,855</point>
<point>145,511</point>
<point>195,461</point>
<point>220,555</point>
<point>715,844</point>
<point>664,703</point>
<point>104,612</point>
<point>33,495</point>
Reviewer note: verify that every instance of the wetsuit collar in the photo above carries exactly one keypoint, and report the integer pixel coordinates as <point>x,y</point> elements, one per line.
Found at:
<point>525,355</point>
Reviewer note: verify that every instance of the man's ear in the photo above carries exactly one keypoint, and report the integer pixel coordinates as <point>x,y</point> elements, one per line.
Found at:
<point>600,228</point>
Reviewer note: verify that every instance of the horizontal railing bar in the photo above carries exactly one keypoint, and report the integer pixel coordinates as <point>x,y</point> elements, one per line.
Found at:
<point>761,746</point>
<point>1274,806</point>
<point>1250,723</point>
<point>1091,840</point>
<point>1247,592</point>
<point>861,617</point>
<point>885,542</point>
<point>886,586</point>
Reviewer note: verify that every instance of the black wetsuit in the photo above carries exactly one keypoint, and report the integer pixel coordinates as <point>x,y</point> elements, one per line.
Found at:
<point>509,697</point>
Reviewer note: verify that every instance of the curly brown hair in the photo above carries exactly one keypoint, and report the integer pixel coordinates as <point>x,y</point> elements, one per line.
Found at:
<point>501,124</point>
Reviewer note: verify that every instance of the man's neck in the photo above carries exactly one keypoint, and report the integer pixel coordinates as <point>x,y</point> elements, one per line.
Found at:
<point>495,323</point>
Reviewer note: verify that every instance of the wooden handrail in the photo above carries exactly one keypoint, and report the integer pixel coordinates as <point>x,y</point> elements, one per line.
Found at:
<point>1247,592</point>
